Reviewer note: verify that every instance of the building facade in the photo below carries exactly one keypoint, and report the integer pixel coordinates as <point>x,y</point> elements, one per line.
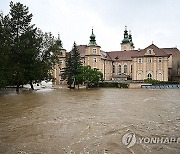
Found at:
<point>128,64</point>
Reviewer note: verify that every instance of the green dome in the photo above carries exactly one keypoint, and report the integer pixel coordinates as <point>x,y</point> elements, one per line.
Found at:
<point>125,40</point>
<point>92,39</point>
<point>126,37</point>
<point>92,36</point>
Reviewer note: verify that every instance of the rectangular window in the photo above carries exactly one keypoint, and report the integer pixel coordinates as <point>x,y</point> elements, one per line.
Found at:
<point>119,69</point>
<point>60,61</point>
<point>113,69</point>
<point>149,60</point>
<point>94,60</point>
<point>94,51</point>
<point>139,60</point>
<point>60,53</point>
<point>160,59</point>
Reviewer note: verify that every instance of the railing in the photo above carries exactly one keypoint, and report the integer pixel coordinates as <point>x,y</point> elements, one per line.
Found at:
<point>168,86</point>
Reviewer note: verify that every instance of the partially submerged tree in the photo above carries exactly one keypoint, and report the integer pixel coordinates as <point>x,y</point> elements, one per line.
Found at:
<point>5,50</point>
<point>73,63</point>
<point>68,74</point>
<point>90,77</point>
<point>20,19</point>
<point>76,62</point>
<point>27,54</point>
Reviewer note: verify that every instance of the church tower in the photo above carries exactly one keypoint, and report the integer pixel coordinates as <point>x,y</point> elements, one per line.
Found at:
<point>92,53</point>
<point>127,43</point>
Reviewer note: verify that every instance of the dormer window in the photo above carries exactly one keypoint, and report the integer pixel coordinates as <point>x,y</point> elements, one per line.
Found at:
<point>94,51</point>
<point>150,51</point>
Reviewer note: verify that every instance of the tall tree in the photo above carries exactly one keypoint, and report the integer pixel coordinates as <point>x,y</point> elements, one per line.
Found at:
<point>73,63</point>
<point>30,43</point>
<point>27,54</point>
<point>76,62</point>
<point>68,73</point>
<point>20,19</point>
<point>5,48</point>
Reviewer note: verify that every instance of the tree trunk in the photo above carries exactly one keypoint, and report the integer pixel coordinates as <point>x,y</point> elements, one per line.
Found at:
<point>31,84</point>
<point>17,88</point>
<point>74,84</point>
<point>69,86</point>
<point>78,86</point>
<point>87,85</point>
<point>17,85</point>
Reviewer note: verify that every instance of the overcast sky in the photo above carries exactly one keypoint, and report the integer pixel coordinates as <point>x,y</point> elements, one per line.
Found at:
<point>148,20</point>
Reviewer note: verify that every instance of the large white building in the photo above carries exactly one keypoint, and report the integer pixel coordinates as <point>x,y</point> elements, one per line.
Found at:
<point>152,62</point>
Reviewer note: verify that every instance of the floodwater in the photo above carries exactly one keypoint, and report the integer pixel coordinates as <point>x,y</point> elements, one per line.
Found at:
<point>89,121</point>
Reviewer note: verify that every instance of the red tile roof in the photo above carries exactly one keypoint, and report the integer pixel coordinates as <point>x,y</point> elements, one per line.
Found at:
<point>171,51</point>
<point>158,52</point>
<point>128,55</point>
<point>122,55</point>
<point>105,55</point>
<point>82,49</point>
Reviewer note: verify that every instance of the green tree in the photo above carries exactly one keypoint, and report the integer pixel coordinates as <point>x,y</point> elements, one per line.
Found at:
<point>88,76</point>
<point>91,76</point>
<point>27,54</point>
<point>20,19</point>
<point>76,62</point>
<point>68,73</point>
<point>48,57</point>
<point>5,48</point>
<point>73,63</point>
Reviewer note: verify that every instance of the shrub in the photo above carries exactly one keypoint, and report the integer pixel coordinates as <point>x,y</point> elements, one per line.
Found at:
<point>113,85</point>
<point>155,82</point>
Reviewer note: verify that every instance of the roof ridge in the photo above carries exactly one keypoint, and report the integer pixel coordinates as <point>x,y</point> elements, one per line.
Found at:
<point>108,55</point>
<point>163,51</point>
<point>156,47</point>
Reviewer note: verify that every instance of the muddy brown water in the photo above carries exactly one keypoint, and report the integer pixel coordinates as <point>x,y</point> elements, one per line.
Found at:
<point>88,121</point>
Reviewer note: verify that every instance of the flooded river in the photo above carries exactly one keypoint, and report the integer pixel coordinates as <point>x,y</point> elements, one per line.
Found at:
<point>89,121</point>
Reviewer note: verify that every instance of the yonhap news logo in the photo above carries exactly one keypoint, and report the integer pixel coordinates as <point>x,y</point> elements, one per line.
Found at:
<point>130,139</point>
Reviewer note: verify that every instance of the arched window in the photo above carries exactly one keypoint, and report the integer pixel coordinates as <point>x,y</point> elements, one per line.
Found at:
<point>149,76</point>
<point>160,77</point>
<point>125,68</point>
<point>131,68</point>
<point>119,69</point>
